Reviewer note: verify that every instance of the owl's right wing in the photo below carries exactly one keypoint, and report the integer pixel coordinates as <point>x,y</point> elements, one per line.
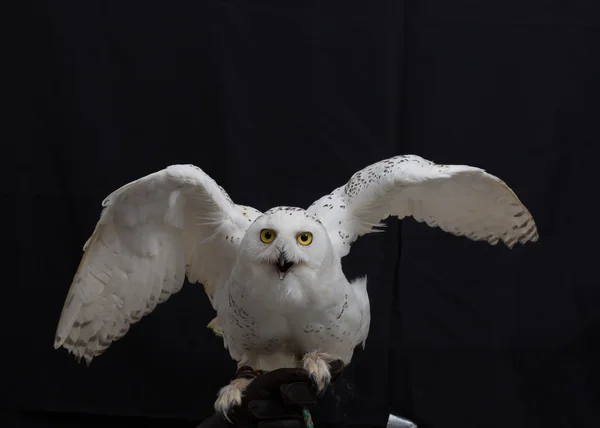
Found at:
<point>151,233</point>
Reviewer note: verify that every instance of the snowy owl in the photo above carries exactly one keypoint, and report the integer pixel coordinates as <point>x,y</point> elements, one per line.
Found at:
<point>274,279</point>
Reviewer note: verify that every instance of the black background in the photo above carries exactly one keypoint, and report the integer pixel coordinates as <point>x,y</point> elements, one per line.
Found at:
<point>281,102</point>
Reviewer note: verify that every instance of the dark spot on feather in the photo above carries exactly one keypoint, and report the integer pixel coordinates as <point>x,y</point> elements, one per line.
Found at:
<point>531,229</point>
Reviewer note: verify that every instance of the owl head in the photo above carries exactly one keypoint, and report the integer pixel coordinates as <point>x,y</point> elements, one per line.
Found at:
<point>287,246</point>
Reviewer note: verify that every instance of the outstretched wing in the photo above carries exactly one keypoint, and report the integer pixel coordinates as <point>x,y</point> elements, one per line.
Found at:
<point>459,199</point>
<point>151,233</point>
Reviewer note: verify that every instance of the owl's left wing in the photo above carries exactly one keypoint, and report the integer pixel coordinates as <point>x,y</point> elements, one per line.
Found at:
<point>459,199</point>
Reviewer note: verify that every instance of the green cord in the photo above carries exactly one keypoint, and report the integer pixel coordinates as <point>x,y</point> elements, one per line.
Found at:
<point>307,418</point>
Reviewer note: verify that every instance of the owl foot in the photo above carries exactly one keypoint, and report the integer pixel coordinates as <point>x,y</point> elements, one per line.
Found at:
<point>315,363</point>
<point>230,396</point>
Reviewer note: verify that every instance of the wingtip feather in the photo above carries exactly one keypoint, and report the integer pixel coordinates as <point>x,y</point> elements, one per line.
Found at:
<point>58,341</point>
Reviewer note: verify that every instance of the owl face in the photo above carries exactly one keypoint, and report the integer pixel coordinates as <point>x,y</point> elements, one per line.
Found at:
<point>287,243</point>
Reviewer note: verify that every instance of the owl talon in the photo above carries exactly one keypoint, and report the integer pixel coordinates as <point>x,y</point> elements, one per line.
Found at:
<point>230,396</point>
<point>318,370</point>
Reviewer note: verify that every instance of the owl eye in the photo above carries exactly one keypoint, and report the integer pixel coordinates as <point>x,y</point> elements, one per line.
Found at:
<point>267,236</point>
<point>304,238</point>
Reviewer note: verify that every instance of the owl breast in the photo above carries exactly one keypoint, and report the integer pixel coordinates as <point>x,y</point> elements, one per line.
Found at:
<point>267,339</point>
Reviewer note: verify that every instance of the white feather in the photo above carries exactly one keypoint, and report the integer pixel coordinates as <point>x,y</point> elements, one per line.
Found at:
<point>136,258</point>
<point>459,199</point>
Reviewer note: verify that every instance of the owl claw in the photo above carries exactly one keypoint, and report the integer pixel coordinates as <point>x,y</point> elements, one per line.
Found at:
<point>318,370</point>
<point>230,396</point>
<point>314,382</point>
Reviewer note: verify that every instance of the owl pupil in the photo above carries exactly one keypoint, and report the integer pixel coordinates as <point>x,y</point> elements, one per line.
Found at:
<point>304,237</point>
<point>267,235</point>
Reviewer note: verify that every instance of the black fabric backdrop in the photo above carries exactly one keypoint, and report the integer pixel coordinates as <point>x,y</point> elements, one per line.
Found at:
<point>281,102</point>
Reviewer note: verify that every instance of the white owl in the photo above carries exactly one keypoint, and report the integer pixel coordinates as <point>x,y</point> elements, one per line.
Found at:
<point>275,279</point>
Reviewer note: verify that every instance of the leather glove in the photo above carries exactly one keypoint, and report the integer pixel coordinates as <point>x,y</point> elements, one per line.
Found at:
<point>273,400</point>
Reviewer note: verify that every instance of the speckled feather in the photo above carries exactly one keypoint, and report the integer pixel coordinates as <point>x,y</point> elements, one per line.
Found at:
<point>459,199</point>
<point>179,221</point>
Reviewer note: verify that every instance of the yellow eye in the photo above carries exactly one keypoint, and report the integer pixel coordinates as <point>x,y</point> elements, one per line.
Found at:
<point>304,238</point>
<point>267,236</point>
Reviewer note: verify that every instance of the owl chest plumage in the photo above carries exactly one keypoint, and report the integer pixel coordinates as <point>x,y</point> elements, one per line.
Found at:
<point>252,329</point>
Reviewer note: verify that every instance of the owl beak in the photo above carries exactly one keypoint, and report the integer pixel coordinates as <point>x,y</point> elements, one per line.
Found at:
<point>283,266</point>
